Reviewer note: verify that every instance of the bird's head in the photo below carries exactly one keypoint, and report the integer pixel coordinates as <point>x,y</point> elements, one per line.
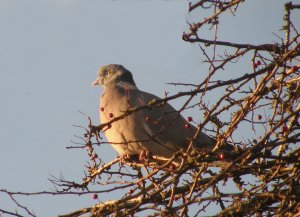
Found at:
<point>113,74</point>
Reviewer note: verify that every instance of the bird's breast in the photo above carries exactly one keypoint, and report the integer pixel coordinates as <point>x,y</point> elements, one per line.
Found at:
<point>121,133</point>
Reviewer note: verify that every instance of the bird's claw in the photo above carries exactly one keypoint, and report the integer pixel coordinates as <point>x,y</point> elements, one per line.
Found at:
<point>144,155</point>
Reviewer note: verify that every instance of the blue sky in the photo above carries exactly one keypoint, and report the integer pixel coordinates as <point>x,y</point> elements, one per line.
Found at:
<point>50,52</point>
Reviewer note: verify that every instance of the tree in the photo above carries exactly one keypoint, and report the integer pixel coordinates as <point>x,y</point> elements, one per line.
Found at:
<point>265,175</point>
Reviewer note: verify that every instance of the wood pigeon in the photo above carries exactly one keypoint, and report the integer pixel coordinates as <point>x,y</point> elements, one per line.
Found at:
<point>161,131</point>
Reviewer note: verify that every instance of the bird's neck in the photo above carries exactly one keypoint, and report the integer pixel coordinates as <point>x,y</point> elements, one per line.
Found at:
<point>125,85</point>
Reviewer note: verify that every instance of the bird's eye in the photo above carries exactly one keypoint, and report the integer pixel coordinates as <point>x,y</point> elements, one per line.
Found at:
<point>105,72</point>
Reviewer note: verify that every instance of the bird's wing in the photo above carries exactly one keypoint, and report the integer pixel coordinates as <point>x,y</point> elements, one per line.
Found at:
<point>166,125</point>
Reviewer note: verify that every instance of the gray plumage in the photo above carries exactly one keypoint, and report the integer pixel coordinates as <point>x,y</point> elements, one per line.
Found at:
<point>160,130</point>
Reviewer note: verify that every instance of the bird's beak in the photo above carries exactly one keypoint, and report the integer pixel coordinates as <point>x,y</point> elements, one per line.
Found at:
<point>96,82</point>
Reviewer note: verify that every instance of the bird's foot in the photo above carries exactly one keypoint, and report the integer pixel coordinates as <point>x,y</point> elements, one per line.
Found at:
<point>130,157</point>
<point>144,156</point>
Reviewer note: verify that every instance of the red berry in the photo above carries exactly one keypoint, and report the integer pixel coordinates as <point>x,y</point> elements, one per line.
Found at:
<point>221,156</point>
<point>94,156</point>
<point>147,118</point>
<point>187,126</point>
<point>255,65</point>
<point>258,62</point>
<point>284,129</point>
<point>294,68</point>
<point>259,117</point>
<point>101,109</point>
<point>189,119</point>
<point>95,196</point>
<point>110,115</point>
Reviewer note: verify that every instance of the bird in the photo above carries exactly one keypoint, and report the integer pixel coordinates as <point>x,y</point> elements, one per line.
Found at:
<point>158,130</point>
